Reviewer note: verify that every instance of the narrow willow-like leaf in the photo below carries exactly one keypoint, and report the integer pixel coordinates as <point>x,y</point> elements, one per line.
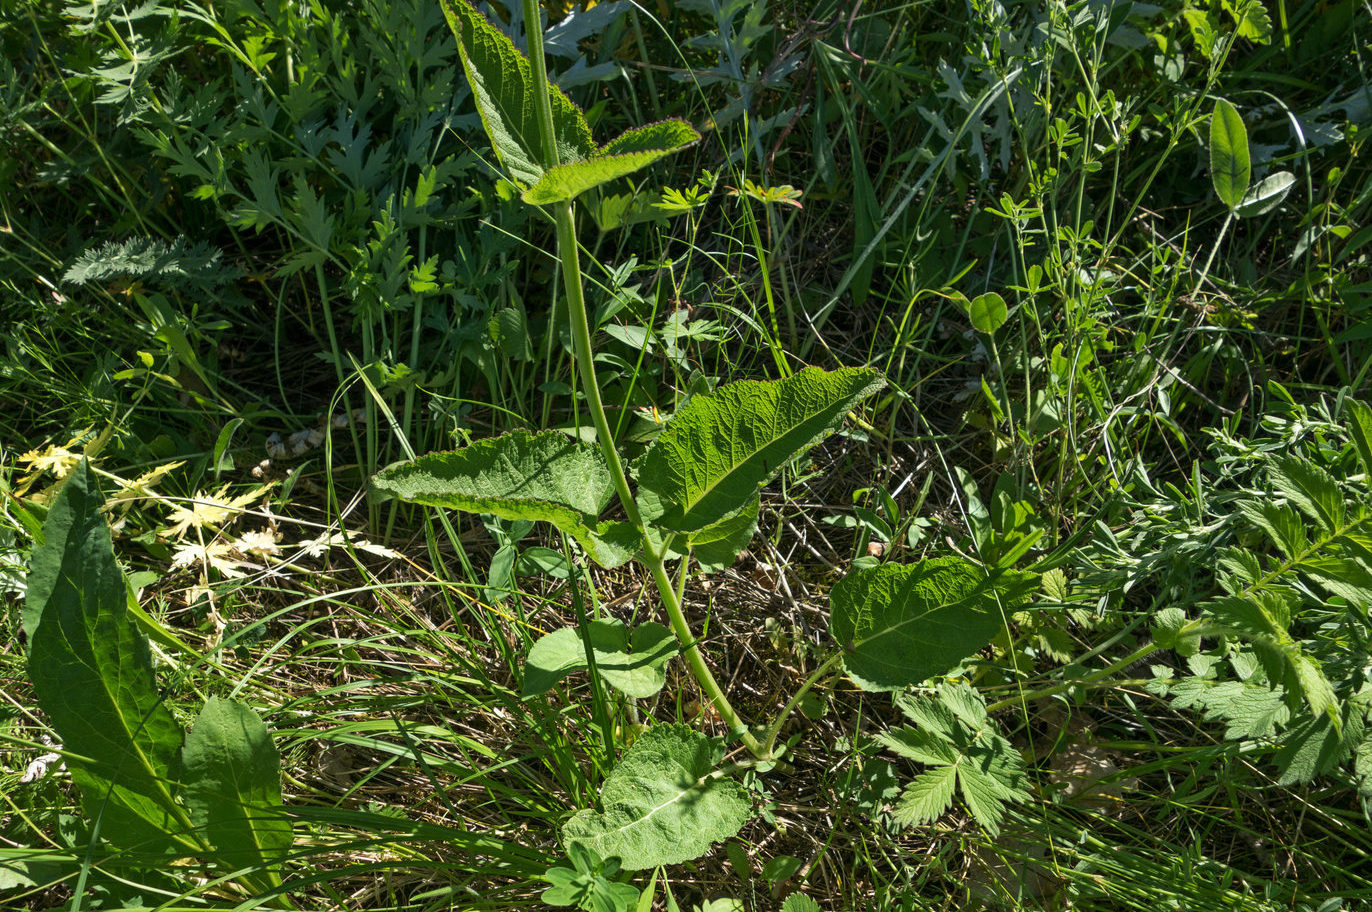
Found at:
<point>627,153</point>
<point>503,86</point>
<point>231,773</point>
<point>720,449</point>
<point>542,477</point>
<point>902,624</point>
<point>92,674</point>
<point>663,803</point>
<point>1230,170</point>
<point>634,664</point>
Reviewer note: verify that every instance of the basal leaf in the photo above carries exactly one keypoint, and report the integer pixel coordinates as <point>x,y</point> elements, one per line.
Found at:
<point>231,773</point>
<point>634,664</point>
<point>1230,171</point>
<point>632,150</point>
<point>720,449</point>
<point>503,86</point>
<point>92,674</point>
<point>663,803</point>
<point>902,624</point>
<point>542,477</point>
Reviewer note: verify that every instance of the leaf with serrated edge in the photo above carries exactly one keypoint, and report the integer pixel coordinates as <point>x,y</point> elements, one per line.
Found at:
<point>632,150</point>
<point>92,674</point>
<point>502,84</point>
<point>542,477</point>
<point>925,799</point>
<point>232,776</point>
<point>663,803</point>
<point>719,450</point>
<point>901,624</point>
<point>634,664</point>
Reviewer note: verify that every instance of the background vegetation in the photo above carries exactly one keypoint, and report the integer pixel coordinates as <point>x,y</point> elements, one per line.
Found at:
<point>253,251</point>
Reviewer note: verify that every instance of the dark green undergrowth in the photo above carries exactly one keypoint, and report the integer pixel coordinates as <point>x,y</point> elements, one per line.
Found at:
<point>1111,260</point>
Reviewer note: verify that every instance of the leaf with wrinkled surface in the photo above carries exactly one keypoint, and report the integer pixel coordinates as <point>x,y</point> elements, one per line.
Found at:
<point>502,83</point>
<point>722,447</point>
<point>543,477</point>
<point>92,674</point>
<point>902,624</point>
<point>232,776</point>
<point>634,664</point>
<point>663,804</point>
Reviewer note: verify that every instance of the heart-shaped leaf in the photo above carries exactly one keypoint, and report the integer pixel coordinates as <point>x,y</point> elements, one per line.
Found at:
<point>720,449</point>
<point>635,665</point>
<point>902,624</point>
<point>664,804</point>
<point>542,477</point>
<point>1230,170</point>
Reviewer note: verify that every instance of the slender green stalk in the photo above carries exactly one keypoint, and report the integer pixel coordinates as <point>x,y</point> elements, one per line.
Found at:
<point>569,254</point>
<point>1142,652</point>
<point>769,739</point>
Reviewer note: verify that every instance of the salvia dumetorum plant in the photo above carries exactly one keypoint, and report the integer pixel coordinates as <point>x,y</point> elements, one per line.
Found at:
<point>695,495</point>
<point>150,790</point>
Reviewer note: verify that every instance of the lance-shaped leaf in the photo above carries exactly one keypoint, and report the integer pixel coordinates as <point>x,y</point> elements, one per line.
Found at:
<point>664,804</point>
<point>630,151</point>
<point>544,477</point>
<point>635,665</point>
<point>1230,170</point>
<point>721,448</point>
<point>503,85</point>
<point>92,674</point>
<point>232,785</point>
<point>902,624</point>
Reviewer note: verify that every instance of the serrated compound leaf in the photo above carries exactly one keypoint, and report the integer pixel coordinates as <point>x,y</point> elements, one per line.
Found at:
<point>719,450</point>
<point>92,675</point>
<point>1230,169</point>
<point>231,778</point>
<point>634,664</point>
<point>987,312</point>
<point>1269,193</point>
<point>632,150</point>
<point>545,477</point>
<point>927,798</point>
<point>503,85</point>
<point>663,804</point>
<point>1360,429</point>
<point>799,902</point>
<point>902,624</point>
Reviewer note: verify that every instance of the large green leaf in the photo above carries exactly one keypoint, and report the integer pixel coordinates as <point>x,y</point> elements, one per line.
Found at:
<point>503,85</point>
<point>630,151</point>
<point>92,675</point>
<point>544,477</point>
<point>721,448</point>
<point>664,804</point>
<point>232,777</point>
<point>904,623</point>
<point>634,664</point>
<point>719,544</point>
<point>1230,170</point>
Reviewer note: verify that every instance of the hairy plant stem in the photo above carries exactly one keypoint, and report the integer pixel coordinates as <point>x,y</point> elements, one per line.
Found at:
<point>569,254</point>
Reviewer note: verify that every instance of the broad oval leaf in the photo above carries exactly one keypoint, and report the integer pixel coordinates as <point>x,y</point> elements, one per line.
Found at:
<point>987,312</point>
<point>232,785</point>
<point>92,674</point>
<point>663,803</point>
<point>1230,170</point>
<point>503,85</point>
<point>903,623</point>
<point>543,477</point>
<point>720,449</point>
<point>635,665</point>
<point>630,151</point>
<point>1267,195</point>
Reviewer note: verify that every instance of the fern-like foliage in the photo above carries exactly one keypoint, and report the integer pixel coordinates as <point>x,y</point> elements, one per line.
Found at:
<point>1287,665</point>
<point>966,754</point>
<point>175,263</point>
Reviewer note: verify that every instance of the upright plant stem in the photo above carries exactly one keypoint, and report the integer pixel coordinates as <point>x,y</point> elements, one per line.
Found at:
<point>570,256</point>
